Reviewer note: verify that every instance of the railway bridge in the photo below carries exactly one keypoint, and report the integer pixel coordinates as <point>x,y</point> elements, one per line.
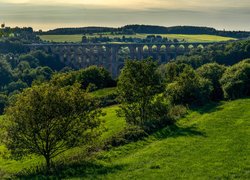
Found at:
<point>113,56</point>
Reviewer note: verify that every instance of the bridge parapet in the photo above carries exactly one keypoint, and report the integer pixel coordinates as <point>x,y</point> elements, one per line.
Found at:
<point>112,56</point>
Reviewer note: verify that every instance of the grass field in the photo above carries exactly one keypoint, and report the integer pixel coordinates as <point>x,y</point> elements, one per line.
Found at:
<point>209,143</point>
<point>188,38</point>
<point>103,92</point>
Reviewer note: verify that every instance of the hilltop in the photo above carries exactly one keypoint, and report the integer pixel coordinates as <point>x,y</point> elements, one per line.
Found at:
<point>148,29</point>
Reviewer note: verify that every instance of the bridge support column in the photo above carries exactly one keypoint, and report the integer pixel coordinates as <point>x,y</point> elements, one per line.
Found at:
<point>140,52</point>
<point>132,50</point>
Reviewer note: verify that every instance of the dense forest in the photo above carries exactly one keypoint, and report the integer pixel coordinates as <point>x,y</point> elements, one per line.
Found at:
<point>147,29</point>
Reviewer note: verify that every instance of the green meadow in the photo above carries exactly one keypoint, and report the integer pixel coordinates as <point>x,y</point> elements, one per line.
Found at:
<point>188,38</point>
<point>211,142</point>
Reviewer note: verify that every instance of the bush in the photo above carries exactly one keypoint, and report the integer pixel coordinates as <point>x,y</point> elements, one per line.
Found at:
<point>236,80</point>
<point>189,88</point>
<point>127,135</point>
<point>98,76</point>
<point>213,72</point>
<point>170,71</point>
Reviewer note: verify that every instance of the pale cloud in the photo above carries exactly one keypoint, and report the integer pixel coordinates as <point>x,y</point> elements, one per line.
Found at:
<point>142,4</point>
<point>47,14</point>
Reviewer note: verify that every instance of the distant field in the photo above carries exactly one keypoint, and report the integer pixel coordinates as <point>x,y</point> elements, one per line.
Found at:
<point>188,38</point>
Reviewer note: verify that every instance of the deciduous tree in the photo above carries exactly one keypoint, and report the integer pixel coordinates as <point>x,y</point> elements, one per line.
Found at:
<point>48,120</point>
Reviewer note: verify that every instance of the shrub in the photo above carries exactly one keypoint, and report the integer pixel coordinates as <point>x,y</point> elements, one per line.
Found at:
<point>213,72</point>
<point>98,76</point>
<point>189,88</point>
<point>236,80</point>
<point>128,134</point>
<point>170,71</point>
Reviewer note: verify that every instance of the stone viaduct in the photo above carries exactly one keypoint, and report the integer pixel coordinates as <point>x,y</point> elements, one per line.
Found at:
<point>112,56</point>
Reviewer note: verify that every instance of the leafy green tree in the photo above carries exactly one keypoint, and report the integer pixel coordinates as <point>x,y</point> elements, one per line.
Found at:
<point>95,75</point>
<point>195,60</point>
<point>64,79</point>
<point>137,86</point>
<point>48,120</point>
<point>170,71</point>
<point>5,73</point>
<point>45,72</point>
<point>3,102</point>
<point>16,86</point>
<point>213,72</point>
<point>33,62</point>
<point>236,80</point>
<point>48,60</point>
<point>189,88</point>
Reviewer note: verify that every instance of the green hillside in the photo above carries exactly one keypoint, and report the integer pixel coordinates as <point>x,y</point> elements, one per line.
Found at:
<point>188,38</point>
<point>210,143</point>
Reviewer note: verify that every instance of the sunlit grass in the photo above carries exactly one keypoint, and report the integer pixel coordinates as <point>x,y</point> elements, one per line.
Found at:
<point>103,92</point>
<point>188,38</point>
<point>211,142</point>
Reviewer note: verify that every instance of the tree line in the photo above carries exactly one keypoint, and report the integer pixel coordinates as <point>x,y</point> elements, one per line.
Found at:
<point>149,29</point>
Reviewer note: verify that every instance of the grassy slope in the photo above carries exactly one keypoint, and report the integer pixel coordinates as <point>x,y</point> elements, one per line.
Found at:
<point>210,143</point>
<point>189,38</point>
<point>113,125</point>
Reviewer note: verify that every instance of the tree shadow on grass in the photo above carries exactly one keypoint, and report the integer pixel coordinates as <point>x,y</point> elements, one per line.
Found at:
<point>208,108</point>
<point>176,131</point>
<point>63,170</point>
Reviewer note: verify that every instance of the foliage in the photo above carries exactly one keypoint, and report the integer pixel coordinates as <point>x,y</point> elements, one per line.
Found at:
<point>236,80</point>
<point>98,76</point>
<point>107,96</point>
<point>33,62</point>
<point>170,71</point>
<point>5,73</point>
<point>3,102</point>
<point>127,135</point>
<point>138,84</point>
<point>51,61</point>
<point>189,88</point>
<point>213,72</point>
<point>47,120</point>
<point>195,60</point>
<point>16,86</point>
<point>225,54</point>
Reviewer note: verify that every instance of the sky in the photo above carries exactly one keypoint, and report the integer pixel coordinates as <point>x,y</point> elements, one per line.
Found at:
<point>50,14</point>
